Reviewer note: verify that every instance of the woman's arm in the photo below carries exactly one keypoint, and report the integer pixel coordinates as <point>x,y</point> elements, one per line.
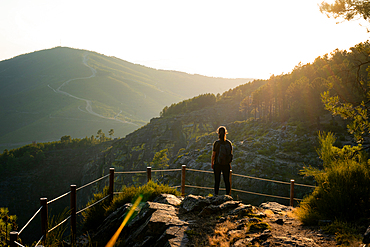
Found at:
<point>213,158</point>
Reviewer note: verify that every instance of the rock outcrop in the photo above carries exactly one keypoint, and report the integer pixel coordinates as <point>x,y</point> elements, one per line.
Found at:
<point>190,221</point>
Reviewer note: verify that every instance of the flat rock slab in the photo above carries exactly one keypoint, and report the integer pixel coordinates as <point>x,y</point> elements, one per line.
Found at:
<point>197,203</point>
<point>168,199</point>
<point>275,207</point>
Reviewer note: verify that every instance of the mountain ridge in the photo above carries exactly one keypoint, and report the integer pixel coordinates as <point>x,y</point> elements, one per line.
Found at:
<point>120,91</point>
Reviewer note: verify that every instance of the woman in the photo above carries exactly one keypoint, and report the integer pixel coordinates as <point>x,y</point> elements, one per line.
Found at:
<point>221,158</point>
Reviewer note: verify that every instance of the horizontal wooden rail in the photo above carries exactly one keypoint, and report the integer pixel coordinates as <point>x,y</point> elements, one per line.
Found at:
<point>92,204</point>
<point>261,194</point>
<point>243,191</point>
<point>195,170</point>
<point>200,187</point>
<point>59,197</point>
<point>96,180</point>
<point>167,170</point>
<point>128,172</point>
<point>262,179</point>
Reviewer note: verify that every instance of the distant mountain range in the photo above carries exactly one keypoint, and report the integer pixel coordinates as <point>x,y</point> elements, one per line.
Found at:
<point>47,94</point>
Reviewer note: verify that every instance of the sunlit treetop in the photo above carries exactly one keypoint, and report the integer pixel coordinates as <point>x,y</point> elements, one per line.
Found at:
<point>347,9</point>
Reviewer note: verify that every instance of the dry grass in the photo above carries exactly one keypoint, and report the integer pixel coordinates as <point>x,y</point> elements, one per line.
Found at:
<point>221,236</point>
<point>225,234</point>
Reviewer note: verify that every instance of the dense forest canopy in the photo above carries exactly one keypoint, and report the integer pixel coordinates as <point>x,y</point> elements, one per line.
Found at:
<point>298,95</point>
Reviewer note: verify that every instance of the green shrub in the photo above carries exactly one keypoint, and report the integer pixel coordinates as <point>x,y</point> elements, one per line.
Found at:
<point>94,216</point>
<point>238,160</point>
<point>273,148</point>
<point>289,146</point>
<point>261,132</point>
<point>301,129</point>
<point>345,234</point>
<point>149,192</point>
<point>343,186</point>
<point>257,144</point>
<point>55,237</point>
<point>268,151</point>
<point>263,151</point>
<point>177,158</point>
<point>204,157</point>
<point>7,225</point>
<point>342,192</point>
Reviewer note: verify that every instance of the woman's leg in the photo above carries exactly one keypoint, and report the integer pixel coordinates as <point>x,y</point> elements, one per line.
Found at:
<point>217,172</point>
<point>226,175</point>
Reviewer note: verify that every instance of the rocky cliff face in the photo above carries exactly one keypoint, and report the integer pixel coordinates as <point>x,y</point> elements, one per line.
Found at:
<point>273,151</point>
<point>206,221</point>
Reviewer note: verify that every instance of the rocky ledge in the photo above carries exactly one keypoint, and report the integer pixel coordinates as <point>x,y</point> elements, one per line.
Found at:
<point>207,221</point>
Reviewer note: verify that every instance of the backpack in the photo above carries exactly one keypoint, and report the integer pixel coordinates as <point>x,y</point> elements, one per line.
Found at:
<point>224,156</point>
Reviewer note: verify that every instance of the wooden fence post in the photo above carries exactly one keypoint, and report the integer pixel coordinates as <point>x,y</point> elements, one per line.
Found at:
<point>292,192</point>
<point>73,214</point>
<point>183,171</point>
<point>13,237</point>
<point>44,218</point>
<point>230,179</point>
<point>149,173</point>
<point>111,183</point>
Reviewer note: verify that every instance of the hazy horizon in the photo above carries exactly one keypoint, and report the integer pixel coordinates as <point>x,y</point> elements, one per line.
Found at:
<point>240,39</point>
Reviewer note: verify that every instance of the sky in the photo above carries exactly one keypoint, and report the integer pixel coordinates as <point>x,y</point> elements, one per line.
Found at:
<point>230,39</point>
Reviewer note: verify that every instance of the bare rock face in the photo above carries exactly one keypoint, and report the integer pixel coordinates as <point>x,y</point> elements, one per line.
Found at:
<point>157,224</point>
<point>168,199</point>
<point>275,207</point>
<point>219,209</point>
<point>195,203</point>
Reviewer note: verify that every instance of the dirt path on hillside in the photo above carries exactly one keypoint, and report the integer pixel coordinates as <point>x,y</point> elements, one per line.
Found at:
<point>88,107</point>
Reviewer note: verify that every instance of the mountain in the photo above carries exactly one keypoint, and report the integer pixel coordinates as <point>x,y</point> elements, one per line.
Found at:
<point>47,94</point>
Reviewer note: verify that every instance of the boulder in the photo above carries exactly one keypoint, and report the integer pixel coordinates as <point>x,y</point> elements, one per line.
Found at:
<point>275,207</point>
<point>197,203</point>
<point>192,203</point>
<point>157,224</point>
<point>242,210</point>
<point>218,209</point>
<point>168,199</point>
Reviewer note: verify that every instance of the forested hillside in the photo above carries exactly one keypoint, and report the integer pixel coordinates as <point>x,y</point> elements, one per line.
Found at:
<point>62,91</point>
<point>297,95</point>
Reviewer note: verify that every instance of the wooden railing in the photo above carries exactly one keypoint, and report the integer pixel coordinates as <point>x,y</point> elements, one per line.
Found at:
<point>43,210</point>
